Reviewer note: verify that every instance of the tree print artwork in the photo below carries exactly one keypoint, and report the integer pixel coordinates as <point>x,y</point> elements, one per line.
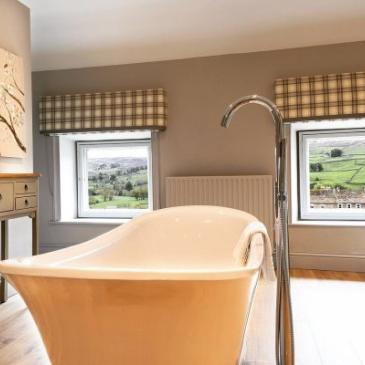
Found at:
<point>12,111</point>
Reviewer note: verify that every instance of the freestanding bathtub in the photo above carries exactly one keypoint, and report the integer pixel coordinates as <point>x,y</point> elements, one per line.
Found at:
<point>173,287</point>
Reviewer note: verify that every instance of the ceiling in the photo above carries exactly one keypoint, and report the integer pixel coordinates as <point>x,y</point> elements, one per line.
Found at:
<point>84,33</point>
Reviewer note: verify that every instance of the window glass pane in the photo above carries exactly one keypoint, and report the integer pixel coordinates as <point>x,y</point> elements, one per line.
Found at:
<point>336,167</point>
<point>117,177</point>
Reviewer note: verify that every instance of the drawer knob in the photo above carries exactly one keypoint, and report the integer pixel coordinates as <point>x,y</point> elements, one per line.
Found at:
<point>26,202</point>
<point>25,187</point>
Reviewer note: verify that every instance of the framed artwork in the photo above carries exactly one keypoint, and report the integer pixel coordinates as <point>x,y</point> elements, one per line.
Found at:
<point>12,111</point>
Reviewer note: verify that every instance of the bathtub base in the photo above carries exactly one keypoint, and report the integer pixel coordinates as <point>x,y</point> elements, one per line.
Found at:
<point>94,322</point>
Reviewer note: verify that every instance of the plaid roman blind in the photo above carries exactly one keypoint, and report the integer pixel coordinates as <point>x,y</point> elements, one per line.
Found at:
<point>119,110</point>
<point>320,97</point>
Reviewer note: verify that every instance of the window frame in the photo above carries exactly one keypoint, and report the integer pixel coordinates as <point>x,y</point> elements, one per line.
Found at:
<point>305,213</point>
<point>82,180</point>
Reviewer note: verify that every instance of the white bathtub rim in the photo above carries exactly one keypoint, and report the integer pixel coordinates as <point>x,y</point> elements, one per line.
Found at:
<point>19,266</point>
<point>28,266</point>
<point>130,275</point>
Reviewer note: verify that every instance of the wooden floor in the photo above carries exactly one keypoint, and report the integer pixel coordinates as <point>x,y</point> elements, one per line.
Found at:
<point>329,317</point>
<point>329,320</point>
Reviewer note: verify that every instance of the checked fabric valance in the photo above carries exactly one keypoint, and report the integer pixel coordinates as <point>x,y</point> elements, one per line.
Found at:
<point>320,97</point>
<point>119,110</point>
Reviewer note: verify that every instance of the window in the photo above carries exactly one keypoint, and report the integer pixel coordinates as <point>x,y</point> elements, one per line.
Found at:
<point>331,174</point>
<point>114,178</point>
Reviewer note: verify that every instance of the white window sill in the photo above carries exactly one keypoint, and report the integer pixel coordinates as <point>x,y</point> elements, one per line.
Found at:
<point>328,223</point>
<point>101,221</point>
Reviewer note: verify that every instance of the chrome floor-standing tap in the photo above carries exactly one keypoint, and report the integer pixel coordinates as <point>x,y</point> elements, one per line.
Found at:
<point>284,335</point>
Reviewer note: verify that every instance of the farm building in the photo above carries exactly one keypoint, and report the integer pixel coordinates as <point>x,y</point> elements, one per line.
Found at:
<point>333,198</point>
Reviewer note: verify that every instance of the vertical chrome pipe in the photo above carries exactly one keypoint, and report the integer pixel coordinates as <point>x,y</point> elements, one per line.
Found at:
<point>284,341</point>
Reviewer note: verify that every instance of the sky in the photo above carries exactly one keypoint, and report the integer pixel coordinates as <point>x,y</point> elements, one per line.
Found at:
<point>111,152</point>
<point>338,140</point>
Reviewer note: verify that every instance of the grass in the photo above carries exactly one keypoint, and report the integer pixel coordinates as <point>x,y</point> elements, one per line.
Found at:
<point>119,202</point>
<point>333,178</point>
<point>347,170</point>
<point>122,197</point>
<point>359,177</point>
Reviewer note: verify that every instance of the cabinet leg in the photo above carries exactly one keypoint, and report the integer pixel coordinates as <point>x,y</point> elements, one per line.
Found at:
<point>4,256</point>
<point>35,235</point>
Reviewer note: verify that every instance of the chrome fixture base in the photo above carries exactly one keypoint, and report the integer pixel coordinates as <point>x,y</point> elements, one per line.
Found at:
<point>284,334</point>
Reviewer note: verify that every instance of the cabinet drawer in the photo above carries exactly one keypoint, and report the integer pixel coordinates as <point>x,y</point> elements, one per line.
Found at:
<point>25,187</point>
<point>6,197</point>
<point>25,202</point>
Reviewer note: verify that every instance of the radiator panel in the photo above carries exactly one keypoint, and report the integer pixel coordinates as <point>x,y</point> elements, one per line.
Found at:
<point>252,194</point>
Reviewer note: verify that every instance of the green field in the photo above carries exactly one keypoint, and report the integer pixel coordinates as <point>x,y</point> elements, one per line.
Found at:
<point>118,202</point>
<point>345,172</point>
<point>112,185</point>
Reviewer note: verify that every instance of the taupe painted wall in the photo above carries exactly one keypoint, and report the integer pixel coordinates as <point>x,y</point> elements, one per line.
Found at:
<point>15,37</point>
<point>194,143</point>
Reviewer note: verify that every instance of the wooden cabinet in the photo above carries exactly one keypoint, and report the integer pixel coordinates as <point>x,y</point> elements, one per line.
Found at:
<point>6,197</point>
<point>18,198</point>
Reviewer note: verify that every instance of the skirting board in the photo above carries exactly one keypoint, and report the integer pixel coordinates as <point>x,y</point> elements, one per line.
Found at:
<point>45,248</point>
<point>319,261</point>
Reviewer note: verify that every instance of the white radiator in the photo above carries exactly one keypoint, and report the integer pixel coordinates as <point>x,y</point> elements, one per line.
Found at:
<point>252,194</point>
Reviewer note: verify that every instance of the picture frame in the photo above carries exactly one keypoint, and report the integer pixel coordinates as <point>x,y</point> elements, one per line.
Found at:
<point>12,106</point>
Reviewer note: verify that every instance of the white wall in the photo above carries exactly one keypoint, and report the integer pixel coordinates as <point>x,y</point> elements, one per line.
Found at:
<point>198,91</point>
<point>15,37</point>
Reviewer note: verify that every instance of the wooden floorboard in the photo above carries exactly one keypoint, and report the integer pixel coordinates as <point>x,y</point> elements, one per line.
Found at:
<point>329,321</point>
<point>20,342</point>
